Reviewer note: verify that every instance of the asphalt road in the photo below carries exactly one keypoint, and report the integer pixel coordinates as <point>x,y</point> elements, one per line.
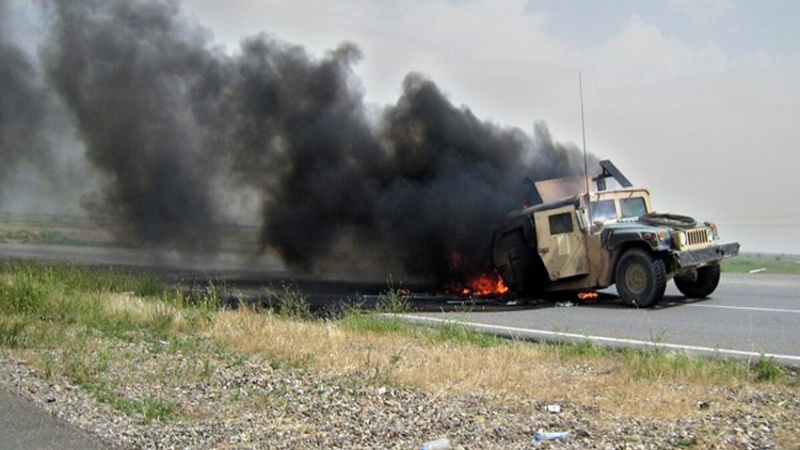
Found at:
<point>23,426</point>
<point>747,316</point>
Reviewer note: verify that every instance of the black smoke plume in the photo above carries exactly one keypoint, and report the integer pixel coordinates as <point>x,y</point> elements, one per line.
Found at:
<point>174,123</point>
<point>128,70</point>
<point>23,107</point>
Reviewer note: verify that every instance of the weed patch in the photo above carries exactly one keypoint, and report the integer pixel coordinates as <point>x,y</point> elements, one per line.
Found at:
<point>147,409</point>
<point>289,302</point>
<point>766,369</point>
<point>464,335</point>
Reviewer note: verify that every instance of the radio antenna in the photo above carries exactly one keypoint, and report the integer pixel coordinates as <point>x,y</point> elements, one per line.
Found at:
<point>585,156</point>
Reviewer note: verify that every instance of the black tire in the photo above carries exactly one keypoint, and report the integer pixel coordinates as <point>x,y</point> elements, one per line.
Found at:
<point>641,279</point>
<point>702,285</point>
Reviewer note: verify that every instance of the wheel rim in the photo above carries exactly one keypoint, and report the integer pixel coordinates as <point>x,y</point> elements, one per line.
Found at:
<point>636,278</point>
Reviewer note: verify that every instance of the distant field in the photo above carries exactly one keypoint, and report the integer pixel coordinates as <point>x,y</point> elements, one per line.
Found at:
<point>770,263</point>
<point>52,230</point>
<point>83,231</point>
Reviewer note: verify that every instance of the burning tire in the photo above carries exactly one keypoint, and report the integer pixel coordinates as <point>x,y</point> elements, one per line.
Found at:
<point>641,279</point>
<point>700,283</point>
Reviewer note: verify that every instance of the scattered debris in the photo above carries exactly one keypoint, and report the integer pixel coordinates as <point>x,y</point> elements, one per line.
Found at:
<point>566,305</point>
<point>437,444</point>
<point>763,269</point>
<point>553,436</point>
<point>553,409</point>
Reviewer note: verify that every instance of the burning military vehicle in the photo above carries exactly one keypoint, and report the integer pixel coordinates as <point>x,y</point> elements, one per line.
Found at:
<point>574,240</point>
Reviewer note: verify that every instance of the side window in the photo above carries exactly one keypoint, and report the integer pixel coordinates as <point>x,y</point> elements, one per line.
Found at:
<point>560,223</point>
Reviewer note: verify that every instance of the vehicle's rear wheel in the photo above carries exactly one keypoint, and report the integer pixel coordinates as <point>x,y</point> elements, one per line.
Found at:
<point>641,279</point>
<point>699,284</point>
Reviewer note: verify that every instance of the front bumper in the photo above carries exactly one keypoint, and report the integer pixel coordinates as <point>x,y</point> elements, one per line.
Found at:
<point>705,255</point>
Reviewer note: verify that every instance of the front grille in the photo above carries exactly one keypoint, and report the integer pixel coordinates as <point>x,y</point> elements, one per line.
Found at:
<point>696,237</point>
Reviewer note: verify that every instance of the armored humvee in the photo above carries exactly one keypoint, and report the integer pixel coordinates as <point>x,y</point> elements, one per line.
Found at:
<point>589,241</point>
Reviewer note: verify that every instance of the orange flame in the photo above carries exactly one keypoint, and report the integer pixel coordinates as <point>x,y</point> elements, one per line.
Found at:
<point>485,283</point>
<point>588,295</point>
<point>481,285</point>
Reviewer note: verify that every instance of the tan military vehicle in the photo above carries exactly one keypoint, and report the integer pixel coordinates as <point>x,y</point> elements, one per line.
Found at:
<point>591,241</point>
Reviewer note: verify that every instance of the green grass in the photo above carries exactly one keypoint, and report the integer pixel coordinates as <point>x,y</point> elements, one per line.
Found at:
<point>289,302</point>
<point>461,334</point>
<point>655,363</point>
<point>148,409</point>
<point>61,312</point>
<point>774,264</point>
<point>387,319</point>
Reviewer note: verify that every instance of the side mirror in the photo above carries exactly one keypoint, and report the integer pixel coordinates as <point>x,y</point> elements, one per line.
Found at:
<point>580,215</point>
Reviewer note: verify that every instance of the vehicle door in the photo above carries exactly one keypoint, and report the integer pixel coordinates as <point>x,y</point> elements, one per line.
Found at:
<point>561,243</point>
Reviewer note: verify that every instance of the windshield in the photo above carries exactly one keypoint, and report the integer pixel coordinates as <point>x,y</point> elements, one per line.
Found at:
<point>603,210</point>
<point>632,207</point>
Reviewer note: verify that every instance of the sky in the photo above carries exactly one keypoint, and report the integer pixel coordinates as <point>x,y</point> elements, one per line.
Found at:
<point>699,101</point>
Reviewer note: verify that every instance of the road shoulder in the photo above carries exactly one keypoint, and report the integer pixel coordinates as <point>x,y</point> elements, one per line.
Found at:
<point>25,426</point>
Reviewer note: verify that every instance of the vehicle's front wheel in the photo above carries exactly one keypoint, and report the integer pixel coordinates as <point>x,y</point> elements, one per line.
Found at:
<point>641,279</point>
<point>701,283</point>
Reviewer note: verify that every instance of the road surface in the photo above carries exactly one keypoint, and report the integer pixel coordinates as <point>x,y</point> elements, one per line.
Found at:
<point>23,426</point>
<point>748,315</point>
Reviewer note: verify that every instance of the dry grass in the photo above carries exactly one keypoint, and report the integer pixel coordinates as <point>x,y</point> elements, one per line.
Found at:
<point>138,310</point>
<point>506,373</point>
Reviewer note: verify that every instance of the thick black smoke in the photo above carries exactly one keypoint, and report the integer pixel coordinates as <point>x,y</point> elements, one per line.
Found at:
<point>165,116</point>
<point>301,135</point>
<point>128,70</point>
<point>23,107</point>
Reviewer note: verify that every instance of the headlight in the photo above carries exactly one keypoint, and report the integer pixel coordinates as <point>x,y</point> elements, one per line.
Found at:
<point>714,229</point>
<point>710,234</point>
<point>682,238</point>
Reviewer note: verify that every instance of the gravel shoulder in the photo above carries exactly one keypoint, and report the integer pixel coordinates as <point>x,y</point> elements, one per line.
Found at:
<point>248,403</point>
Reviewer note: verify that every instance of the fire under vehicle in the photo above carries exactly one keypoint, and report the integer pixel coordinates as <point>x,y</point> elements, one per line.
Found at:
<point>586,241</point>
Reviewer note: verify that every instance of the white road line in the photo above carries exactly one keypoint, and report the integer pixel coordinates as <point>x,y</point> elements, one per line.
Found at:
<point>610,340</point>
<point>748,308</point>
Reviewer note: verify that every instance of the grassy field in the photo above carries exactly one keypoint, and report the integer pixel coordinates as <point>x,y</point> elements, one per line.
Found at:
<point>83,231</point>
<point>766,262</point>
<point>67,322</point>
<point>47,230</point>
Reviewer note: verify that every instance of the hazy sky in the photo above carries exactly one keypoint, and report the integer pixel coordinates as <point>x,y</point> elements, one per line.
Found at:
<point>699,100</point>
